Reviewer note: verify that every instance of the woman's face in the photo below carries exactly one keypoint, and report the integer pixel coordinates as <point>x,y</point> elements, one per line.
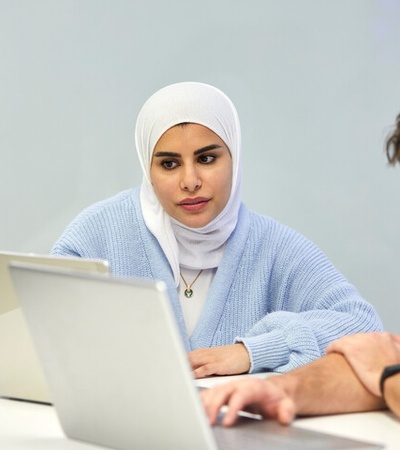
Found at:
<point>191,172</point>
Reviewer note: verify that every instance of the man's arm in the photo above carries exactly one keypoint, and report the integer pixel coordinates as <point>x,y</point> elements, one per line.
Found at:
<point>329,386</point>
<point>368,354</point>
<point>325,386</point>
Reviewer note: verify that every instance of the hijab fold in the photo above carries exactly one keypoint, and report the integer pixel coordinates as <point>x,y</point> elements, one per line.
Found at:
<point>193,248</point>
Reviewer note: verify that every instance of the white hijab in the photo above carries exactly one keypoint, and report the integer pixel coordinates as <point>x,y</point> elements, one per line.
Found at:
<point>194,248</point>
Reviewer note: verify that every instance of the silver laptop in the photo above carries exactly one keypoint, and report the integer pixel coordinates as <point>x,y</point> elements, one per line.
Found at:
<point>21,375</point>
<point>118,373</point>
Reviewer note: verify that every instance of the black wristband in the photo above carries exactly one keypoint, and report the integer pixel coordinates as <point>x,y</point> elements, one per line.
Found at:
<point>388,372</point>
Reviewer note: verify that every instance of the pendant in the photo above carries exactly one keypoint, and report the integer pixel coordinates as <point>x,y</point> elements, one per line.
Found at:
<point>188,293</point>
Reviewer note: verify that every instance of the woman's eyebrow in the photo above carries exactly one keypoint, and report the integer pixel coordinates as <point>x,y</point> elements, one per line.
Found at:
<point>207,148</point>
<point>196,152</point>
<point>168,154</point>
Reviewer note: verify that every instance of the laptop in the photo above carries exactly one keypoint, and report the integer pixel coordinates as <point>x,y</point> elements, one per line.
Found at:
<point>118,373</point>
<point>21,375</point>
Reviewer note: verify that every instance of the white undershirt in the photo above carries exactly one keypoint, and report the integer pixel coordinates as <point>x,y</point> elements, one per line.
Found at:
<point>192,307</point>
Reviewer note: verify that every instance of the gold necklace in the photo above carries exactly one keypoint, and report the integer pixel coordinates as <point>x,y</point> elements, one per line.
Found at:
<point>189,291</point>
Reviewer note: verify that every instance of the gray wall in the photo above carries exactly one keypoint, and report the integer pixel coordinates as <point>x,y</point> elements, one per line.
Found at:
<point>316,84</point>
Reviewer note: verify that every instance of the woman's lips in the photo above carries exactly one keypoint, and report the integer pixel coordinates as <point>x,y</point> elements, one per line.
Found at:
<point>194,204</point>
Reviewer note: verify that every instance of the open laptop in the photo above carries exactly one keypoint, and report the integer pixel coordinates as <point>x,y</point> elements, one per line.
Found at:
<point>118,373</point>
<point>21,375</point>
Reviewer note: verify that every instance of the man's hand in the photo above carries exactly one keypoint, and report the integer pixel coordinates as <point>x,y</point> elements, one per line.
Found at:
<point>259,396</point>
<point>368,354</point>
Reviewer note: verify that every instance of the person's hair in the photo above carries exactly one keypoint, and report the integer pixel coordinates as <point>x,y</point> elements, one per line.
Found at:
<point>393,144</point>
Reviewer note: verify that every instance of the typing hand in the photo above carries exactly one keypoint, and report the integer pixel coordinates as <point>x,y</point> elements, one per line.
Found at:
<point>254,395</point>
<point>224,360</point>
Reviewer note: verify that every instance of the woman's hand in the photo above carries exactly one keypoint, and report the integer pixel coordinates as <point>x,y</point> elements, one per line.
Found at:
<point>224,360</point>
<point>368,354</point>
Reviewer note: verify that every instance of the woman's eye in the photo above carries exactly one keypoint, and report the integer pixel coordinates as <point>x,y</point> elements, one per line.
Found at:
<point>169,165</point>
<point>207,159</point>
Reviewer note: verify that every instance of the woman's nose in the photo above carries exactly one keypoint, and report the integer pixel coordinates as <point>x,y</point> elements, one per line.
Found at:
<point>190,179</point>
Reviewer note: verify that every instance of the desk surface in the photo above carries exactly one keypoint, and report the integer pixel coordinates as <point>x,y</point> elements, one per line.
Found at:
<point>380,426</point>
<point>33,426</point>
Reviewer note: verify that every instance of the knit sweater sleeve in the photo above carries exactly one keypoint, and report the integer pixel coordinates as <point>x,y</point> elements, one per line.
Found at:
<point>112,230</point>
<point>88,234</point>
<point>309,304</point>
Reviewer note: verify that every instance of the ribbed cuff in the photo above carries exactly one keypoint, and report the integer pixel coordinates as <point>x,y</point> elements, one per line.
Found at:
<point>266,351</point>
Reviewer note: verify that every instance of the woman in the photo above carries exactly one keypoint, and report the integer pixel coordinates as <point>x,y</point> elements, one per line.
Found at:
<point>248,293</point>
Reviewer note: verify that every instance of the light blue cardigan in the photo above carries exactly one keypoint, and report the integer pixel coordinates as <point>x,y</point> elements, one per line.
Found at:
<point>274,290</point>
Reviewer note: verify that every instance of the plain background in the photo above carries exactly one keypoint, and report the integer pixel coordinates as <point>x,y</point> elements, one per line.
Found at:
<point>316,84</point>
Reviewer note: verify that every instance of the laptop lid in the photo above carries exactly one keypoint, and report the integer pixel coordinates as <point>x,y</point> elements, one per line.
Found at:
<point>115,366</point>
<point>118,373</point>
<point>21,375</point>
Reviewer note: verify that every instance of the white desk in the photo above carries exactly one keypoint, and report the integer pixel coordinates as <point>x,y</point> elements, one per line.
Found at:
<point>32,426</point>
<point>381,427</point>
<point>26,426</point>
